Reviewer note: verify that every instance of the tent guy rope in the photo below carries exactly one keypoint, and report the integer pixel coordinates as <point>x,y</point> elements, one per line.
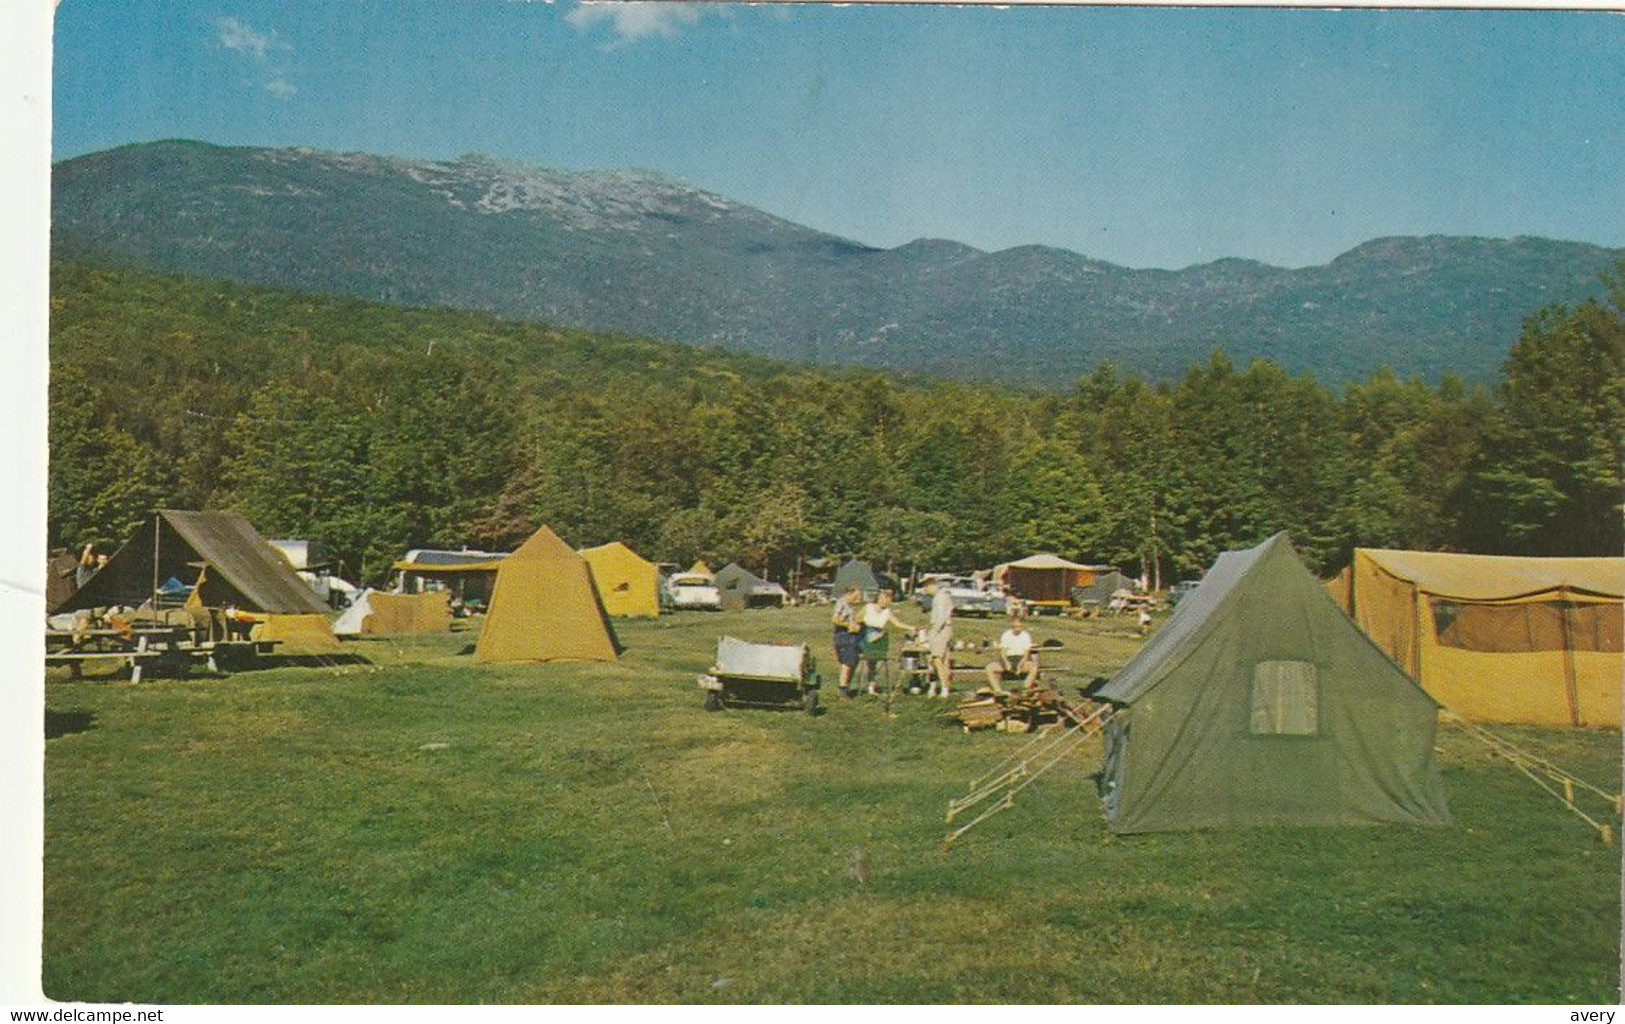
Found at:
<point>1534,766</point>
<point>1034,758</point>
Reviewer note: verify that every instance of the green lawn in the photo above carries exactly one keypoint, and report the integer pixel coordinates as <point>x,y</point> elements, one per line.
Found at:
<point>435,830</point>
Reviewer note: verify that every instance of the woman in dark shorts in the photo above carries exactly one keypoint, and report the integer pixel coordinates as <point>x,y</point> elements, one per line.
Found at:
<point>848,623</point>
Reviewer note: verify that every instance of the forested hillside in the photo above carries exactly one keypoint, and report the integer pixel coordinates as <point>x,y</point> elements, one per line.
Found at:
<point>373,429</point>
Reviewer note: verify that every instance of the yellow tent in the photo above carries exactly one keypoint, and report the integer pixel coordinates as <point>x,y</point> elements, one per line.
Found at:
<point>700,569</point>
<point>429,612</point>
<point>628,586</point>
<point>544,608</point>
<point>1533,641</point>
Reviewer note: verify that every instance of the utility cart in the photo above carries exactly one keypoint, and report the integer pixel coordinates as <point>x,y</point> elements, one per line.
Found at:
<point>761,675</point>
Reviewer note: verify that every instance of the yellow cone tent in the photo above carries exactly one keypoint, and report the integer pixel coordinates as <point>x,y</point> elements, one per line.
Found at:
<point>628,586</point>
<point>1497,639</point>
<point>544,608</point>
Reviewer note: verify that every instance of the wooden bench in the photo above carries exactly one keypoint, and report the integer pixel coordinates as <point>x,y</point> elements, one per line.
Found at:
<point>75,660</point>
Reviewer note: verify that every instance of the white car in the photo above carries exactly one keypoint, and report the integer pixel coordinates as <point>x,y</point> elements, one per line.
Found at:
<point>693,591</point>
<point>968,597</point>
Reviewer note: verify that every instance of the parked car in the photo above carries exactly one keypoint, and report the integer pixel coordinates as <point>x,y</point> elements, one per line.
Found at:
<point>767,594</point>
<point>1179,591</point>
<point>693,591</point>
<point>969,598</point>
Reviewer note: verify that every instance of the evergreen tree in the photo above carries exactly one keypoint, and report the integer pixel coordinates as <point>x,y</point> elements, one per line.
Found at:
<point>1548,478</point>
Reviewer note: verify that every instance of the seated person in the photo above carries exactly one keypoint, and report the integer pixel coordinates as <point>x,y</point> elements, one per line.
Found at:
<point>1016,657</point>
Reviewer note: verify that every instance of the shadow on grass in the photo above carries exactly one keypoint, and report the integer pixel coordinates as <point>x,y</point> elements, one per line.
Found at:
<point>314,660</point>
<point>65,723</point>
<point>747,708</point>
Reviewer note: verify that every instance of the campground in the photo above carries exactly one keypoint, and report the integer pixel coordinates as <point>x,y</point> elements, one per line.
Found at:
<point>429,829</point>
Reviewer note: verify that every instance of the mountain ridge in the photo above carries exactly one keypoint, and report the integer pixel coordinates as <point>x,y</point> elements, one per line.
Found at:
<point>641,252</point>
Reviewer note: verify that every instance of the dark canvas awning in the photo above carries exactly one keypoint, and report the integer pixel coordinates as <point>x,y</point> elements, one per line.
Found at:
<point>242,567</point>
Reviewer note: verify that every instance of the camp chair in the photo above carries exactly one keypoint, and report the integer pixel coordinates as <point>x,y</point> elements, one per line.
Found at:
<point>761,675</point>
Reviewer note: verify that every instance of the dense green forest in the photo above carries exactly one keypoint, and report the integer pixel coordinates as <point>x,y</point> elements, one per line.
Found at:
<point>373,429</point>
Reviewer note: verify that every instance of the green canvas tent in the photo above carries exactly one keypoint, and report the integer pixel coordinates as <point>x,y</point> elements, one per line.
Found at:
<point>734,585</point>
<point>1260,703</point>
<point>860,574</point>
<point>1098,594</point>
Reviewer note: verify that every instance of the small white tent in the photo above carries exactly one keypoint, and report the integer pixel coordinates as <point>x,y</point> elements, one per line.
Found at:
<point>353,618</point>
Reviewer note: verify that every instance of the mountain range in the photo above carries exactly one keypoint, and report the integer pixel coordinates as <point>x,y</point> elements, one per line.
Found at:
<point>641,253</point>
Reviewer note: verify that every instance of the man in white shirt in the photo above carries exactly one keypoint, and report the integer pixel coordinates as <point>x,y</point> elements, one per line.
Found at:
<point>939,637</point>
<point>1016,657</point>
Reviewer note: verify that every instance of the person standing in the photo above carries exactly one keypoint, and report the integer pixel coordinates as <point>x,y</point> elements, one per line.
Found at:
<point>939,638</point>
<point>876,644</point>
<point>848,623</point>
<point>87,566</point>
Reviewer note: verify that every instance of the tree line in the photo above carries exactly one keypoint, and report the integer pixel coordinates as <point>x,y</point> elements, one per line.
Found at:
<point>372,429</point>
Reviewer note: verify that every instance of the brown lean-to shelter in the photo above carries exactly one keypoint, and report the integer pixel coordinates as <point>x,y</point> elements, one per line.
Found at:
<point>61,576</point>
<point>544,608</point>
<point>235,564</point>
<point>1045,580</point>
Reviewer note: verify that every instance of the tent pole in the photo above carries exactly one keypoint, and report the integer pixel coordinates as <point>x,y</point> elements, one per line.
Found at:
<point>1569,681</point>
<point>1416,633</point>
<point>157,534</point>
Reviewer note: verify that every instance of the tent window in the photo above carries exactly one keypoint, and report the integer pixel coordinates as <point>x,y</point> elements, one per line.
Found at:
<point>1286,699</point>
<point>1520,628</point>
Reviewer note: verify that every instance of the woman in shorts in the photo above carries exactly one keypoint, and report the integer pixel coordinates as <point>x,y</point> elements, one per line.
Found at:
<point>848,622</point>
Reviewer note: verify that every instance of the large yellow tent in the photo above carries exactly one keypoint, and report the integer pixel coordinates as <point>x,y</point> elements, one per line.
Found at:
<point>544,608</point>
<point>1497,639</point>
<point>628,586</point>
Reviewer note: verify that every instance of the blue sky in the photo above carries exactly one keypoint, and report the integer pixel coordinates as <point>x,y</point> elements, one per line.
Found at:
<point>1149,137</point>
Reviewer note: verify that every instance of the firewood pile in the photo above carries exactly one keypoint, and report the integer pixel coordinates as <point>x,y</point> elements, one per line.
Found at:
<point>1021,710</point>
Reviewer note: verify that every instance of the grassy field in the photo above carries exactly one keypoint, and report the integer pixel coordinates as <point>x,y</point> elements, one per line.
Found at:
<point>434,830</point>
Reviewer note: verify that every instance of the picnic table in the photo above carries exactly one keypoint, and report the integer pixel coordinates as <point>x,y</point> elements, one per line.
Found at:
<point>167,646</point>
<point>914,661</point>
<point>1122,602</point>
<point>136,646</point>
